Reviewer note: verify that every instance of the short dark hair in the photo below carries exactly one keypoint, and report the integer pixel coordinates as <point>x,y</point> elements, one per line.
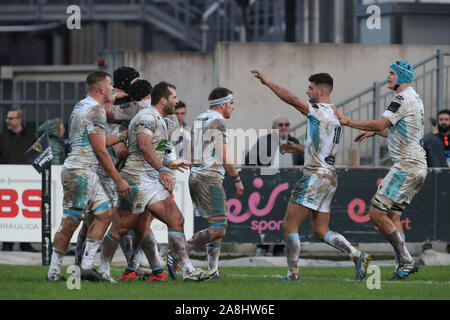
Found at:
<point>95,77</point>
<point>322,78</point>
<point>445,111</point>
<point>139,90</point>
<point>161,90</point>
<point>180,105</point>
<point>19,111</point>
<point>218,93</point>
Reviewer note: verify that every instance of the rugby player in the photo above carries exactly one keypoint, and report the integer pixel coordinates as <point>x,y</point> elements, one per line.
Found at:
<point>82,190</point>
<point>314,191</point>
<point>146,169</point>
<point>403,124</point>
<point>211,158</point>
<point>140,91</point>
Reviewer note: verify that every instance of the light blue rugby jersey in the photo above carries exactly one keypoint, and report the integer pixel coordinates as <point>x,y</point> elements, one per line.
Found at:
<point>406,114</point>
<point>322,138</point>
<point>88,117</point>
<point>209,130</point>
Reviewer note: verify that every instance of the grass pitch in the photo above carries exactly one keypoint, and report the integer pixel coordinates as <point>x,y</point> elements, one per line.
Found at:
<point>241,283</point>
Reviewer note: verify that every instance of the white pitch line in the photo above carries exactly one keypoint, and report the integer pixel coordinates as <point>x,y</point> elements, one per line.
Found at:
<point>275,276</point>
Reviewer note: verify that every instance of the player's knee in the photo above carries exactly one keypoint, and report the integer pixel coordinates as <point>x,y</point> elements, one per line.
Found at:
<point>381,206</point>
<point>217,229</point>
<point>216,234</point>
<point>177,222</point>
<point>66,229</point>
<point>105,217</point>
<point>286,228</point>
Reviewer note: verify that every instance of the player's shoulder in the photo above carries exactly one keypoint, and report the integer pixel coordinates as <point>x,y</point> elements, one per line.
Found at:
<point>95,111</point>
<point>146,118</point>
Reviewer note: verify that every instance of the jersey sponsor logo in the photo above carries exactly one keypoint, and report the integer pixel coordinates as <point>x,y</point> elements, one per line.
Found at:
<point>99,122</point>
<point>147,124</point>
<point>393,107</point>
<point>315,106</point>
<point>162,145</point>
<point>399,97</point>
<point>330,160</point>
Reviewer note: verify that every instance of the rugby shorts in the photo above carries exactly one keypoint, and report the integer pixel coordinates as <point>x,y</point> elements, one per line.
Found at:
<point>208,196</point>
<point>315,191</point>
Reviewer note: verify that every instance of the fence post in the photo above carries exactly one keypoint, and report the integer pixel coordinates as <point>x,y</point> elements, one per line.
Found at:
<point>376,141</point>
<point>440,81</point>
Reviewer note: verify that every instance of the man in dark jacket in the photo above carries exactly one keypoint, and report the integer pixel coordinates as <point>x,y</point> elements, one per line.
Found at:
<point>437,144</point>
<point>285,160</point>
<point>14,141</point>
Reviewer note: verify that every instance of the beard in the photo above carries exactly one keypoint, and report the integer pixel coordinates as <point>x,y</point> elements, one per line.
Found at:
<point>169,109</point>
<point>443,128</point>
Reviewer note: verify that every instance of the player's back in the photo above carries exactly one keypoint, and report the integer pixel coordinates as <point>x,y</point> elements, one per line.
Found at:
<point>322,138</point>
<point>208,127</point>
<point>87,112</point>
<point>406,114</point>
<point>146,121</point>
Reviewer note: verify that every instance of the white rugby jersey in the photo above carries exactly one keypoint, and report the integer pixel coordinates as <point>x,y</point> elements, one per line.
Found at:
<point>111,129</point>
<point>406,114</point>
<point>146,121</point>
<point>209,128</point>
<point>88,117</point>
<point>322,138</point>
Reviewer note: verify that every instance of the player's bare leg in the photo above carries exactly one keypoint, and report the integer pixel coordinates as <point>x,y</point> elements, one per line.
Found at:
<point>168,212</point>
<point>294,217</point>
<point>81,239</point>
<point>149,246</point>
<point>395,218</point>
<point>320,225</point>
<point>123,221</point>
<point>96,231</point>
<point>60,244</point>
<point>378,215</point>
<point>212,239</point>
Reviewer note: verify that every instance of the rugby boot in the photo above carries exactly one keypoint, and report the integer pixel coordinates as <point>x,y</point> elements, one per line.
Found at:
<point>91,275</point>
<point>404,270</point>
<point>172,264</point>
<point>361,265</point>
<point>196,275</point>
<point>291,277</point>
<point>128,276</point>
<point>158,278</point>
<point>214,275</point>
<point>55,277</point>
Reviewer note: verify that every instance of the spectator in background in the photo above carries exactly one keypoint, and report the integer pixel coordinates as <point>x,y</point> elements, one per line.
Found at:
<point>55,130</point>
<point>181,137</point>
<point>437,144</point>
<point>287,159</point>
<point>14,141</point>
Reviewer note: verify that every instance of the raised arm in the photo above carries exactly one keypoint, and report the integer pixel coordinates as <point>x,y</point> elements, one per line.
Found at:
<point>283,94</point>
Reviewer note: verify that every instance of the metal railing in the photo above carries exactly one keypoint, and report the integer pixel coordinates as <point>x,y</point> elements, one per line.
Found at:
<point>40,100</point>
<point>198,24</point>
<point>431,81</point>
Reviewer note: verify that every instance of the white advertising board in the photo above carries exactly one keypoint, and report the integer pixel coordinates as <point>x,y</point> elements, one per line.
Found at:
<point>20,204</point>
